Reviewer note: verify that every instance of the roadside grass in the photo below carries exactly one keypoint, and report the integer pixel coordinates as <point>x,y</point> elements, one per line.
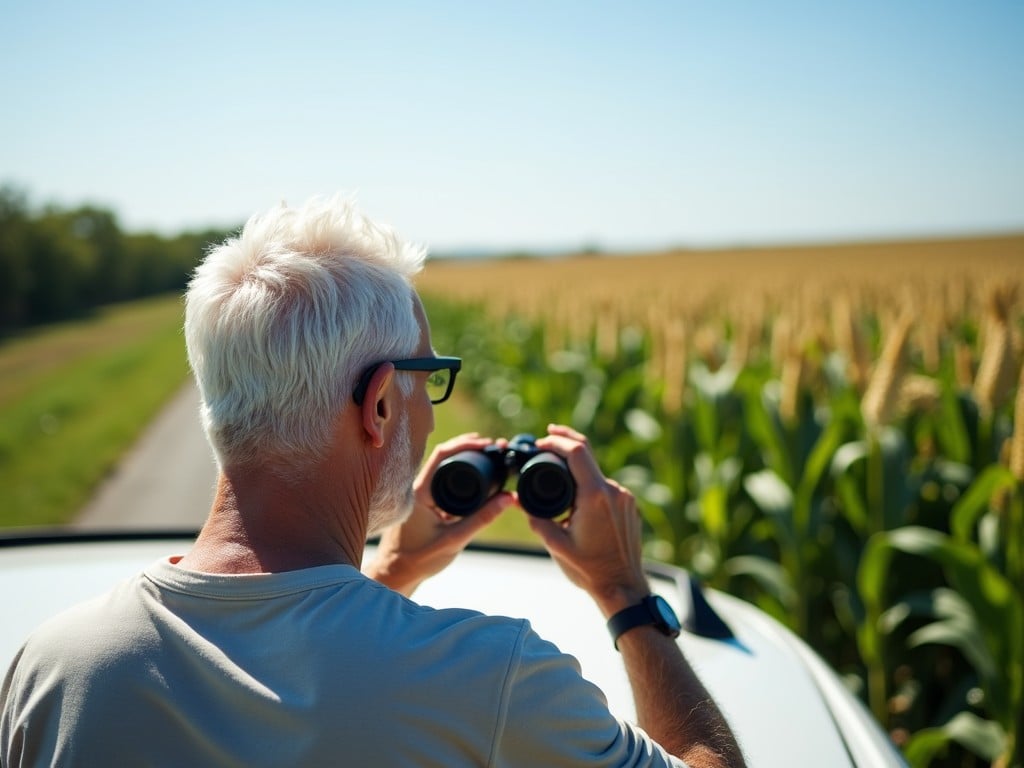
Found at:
<point>74,396</point>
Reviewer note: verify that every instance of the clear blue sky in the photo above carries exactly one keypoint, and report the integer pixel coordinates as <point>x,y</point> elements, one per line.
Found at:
<point>527,124</point>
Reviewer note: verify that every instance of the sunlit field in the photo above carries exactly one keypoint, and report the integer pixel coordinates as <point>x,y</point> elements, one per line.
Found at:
<point>828,432</point>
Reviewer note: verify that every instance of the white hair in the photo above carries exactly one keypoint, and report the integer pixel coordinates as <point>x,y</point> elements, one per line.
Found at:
<point>281,320</point>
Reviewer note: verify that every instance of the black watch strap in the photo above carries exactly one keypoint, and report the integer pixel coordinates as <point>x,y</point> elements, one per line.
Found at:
<point>652,610</point>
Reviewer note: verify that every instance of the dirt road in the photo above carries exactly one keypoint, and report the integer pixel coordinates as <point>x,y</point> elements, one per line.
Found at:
<point>166,481</point>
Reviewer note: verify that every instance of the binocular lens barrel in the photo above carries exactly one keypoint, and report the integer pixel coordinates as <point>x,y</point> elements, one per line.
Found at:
<point>462,483</point>
<point>546,489</point>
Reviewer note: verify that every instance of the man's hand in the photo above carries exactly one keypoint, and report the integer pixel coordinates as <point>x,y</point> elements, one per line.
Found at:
<point>430,539</point>
<point>598,545</point>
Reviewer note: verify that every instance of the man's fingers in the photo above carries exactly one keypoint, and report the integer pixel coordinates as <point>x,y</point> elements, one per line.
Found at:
<point>561,429</point>
<point>470,441</point>
<point>577,455</point>
<point>555,537</point>
<point>460,530</point>
<point>488,511</point>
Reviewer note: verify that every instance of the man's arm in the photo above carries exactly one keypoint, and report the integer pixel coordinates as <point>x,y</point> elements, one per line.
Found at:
<point>598,548</point>
<point>672,704</point>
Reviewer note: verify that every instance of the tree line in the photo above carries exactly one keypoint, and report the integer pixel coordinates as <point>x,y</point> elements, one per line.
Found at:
<point>57,263</point>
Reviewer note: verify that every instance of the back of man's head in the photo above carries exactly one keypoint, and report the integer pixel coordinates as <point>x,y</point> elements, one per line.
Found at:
<point>280,321</point>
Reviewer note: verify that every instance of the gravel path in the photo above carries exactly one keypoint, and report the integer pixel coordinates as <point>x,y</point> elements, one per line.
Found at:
<point>166,481</point>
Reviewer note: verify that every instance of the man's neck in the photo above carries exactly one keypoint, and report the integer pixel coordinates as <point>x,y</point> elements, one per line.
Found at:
<point>261,524</point>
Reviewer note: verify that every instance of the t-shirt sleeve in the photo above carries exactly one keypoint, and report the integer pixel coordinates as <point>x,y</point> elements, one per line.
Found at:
<point>553,716</point>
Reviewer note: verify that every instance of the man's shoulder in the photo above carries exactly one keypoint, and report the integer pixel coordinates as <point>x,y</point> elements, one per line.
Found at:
<point>106,620</point>
<point>470,626</point>
<point>463,632</point>
<point>499,639</point>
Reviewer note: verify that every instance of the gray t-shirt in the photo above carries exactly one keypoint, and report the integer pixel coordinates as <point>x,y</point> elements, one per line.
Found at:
<point>322,666</point>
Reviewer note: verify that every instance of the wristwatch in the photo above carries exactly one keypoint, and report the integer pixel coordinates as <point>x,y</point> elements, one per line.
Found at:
<point>651,610</point>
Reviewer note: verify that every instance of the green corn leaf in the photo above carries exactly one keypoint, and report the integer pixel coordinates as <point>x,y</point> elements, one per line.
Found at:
<point>918,604</point>
<point>705,422</point>
<point>847,455</point>
<point>954,473</point>
<point>958,627</point>
<point>844,465</point>
<point>621,391</point>
<point>975,502</point>
<point>765,429</point>
<point>713,512</point>
<point>642,425</point>
<point>768,574</point>
<point>769,492</point>
<point>950,429</point>
<point>984,738</point>
<point>996,604</point>
<point>871,583</point>
<point>851,503</point>
<point>820,458</point>
<point>818,461</point>
<point>774,498</point>
<point>713,386</point>
<point>806,434</point>
<point>898,489</point>
<point>960,635</point>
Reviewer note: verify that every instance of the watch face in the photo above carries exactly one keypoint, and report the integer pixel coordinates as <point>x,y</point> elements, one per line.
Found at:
<point>666,613</point>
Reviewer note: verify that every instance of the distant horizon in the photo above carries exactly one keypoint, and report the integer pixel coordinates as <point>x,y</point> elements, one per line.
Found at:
<point>490,250</point>
<point>470,251</point>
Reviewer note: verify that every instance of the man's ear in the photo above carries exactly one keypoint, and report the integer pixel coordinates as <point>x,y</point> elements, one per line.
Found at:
<point>378,405</point>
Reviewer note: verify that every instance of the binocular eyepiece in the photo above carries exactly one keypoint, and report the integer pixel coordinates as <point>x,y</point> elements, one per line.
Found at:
<point>463,482</point>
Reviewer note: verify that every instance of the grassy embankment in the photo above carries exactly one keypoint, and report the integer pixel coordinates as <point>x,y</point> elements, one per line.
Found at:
<point>74,397</point>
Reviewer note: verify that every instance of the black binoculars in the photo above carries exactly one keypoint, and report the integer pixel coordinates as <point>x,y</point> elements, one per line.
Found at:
<point>463,482</point>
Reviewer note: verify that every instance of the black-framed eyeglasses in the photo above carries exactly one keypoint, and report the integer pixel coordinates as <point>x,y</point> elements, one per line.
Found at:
<point>439,383</point>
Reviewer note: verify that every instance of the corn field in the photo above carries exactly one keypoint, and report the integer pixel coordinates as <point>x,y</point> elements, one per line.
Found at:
<point>834,434</point>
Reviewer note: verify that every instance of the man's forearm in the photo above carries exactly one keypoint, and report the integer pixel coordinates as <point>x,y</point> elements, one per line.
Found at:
<point>672,705</point>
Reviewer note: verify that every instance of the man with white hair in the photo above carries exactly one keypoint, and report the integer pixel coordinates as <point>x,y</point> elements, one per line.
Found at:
<point>265,644</point>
